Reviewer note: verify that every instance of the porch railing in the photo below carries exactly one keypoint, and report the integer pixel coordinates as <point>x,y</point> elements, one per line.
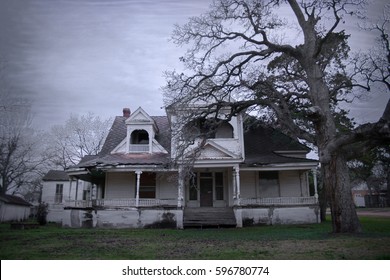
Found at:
<point>129,202</point>
<point>78,203</point>
<point>279,201</point>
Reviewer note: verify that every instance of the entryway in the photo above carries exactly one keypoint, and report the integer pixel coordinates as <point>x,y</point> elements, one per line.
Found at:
<point>206,190</point>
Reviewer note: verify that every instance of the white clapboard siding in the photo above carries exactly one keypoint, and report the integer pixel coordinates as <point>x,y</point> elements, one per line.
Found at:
<point>290,183</point>
<point>120,185</point>
<point>167,185</point>
<point>248,183</point>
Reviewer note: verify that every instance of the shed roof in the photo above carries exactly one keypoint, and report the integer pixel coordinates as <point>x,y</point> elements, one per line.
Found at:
<point>13,199</point>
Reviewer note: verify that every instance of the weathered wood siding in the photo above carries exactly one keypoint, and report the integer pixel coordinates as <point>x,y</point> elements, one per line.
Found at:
<point>292,183</point>
<point>248,183</point>
<point>120,185</point>
<point>11,212</point>
<point>167,185</point>
<point>123,185</point>
<point>49,191</point>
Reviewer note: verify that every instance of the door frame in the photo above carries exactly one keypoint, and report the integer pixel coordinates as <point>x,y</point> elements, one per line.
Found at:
<point>206,192</point>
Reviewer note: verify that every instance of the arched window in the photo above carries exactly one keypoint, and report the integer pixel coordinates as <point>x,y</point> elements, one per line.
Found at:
<point>208,128</point>
<point>139,136</point>
<point>224,130</point>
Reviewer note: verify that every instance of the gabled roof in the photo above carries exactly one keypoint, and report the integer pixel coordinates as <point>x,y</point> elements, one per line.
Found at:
<point>116,135</point>
<point>56,175</point>
<point>12,199</point>
<point>261,146</point>
<point>118,132</point>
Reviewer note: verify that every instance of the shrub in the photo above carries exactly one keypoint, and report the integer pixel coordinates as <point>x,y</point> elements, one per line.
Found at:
<point>42,213</point>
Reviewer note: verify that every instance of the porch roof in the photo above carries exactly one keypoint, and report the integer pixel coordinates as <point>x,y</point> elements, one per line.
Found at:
<point>127,159</point>
<point>274,158</point>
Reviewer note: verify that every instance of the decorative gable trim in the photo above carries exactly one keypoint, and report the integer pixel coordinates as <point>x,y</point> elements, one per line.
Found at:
<point>211,150</point>
<point>139,116</point>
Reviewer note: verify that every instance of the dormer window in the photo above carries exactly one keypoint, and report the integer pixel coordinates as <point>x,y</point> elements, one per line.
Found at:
<point>139,141</point>
<point>139,137</point>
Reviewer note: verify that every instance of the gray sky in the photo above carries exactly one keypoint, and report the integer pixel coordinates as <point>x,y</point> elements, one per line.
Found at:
<point>70,56</point>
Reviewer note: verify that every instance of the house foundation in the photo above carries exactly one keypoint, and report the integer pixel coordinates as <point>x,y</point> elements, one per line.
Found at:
<point>122,218</point>
<point>277,215</point>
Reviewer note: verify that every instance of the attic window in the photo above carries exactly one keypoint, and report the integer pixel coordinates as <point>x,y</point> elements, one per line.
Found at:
<point>208,128</point>
<point>139,137</point>
<point>224,130</point>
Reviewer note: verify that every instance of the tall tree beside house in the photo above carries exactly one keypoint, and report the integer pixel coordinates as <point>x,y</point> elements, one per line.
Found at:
<point>79,136</point>
<point>20,161</point>
<point>238,58</point>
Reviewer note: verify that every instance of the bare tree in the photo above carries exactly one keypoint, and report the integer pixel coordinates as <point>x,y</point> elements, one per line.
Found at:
<point>78,137</point>
<point>20,161</point>
<point>238,61</point>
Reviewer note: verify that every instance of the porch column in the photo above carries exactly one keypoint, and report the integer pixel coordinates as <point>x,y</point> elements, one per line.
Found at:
<point>238,187</point>
<point>180,188</point>
<point>234,187</point>
<point>138,172</point>
<point>70,185</point>
<point>315,183</point>
<point>77,189</point>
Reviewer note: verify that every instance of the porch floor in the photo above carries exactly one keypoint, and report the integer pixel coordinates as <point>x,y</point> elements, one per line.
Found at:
<point>209,217</point>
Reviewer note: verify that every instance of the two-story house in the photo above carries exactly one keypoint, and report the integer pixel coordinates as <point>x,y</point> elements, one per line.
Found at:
<point>239,177</point>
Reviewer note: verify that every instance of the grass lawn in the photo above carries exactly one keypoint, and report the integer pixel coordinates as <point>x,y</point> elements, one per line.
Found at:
<point>269,242</point>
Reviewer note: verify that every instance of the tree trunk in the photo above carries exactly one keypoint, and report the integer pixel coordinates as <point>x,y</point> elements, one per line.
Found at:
<point>323,198</point>
<point>388,188</point>
<point>338,189</point>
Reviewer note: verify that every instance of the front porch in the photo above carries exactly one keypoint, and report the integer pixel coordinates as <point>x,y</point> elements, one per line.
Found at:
<point>142,198</point>
<point>169,203</point>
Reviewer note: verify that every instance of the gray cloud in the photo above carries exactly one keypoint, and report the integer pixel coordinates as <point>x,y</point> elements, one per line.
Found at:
<point>93,55</point>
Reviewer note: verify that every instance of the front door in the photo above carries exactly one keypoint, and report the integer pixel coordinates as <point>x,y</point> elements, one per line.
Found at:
<point>206,190</point>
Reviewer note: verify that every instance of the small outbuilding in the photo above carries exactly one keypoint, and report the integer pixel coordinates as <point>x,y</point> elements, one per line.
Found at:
<point>13,208</point>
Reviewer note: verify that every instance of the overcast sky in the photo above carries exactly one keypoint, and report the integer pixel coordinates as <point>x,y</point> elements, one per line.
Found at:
<point>78,56</point>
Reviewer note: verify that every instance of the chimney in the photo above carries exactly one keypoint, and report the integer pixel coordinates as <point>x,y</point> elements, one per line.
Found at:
<point>126,112</point>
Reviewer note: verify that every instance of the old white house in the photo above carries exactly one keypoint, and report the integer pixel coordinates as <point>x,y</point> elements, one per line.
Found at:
<point>240,177</point>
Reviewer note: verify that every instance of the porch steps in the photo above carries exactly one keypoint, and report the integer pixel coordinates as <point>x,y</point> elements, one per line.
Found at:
<point>209,217</point>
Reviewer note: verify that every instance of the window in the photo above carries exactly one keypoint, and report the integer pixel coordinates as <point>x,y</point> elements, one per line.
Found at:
<point>147,185</point>
<point>139,137</point>
<point>193,195</point>
<point>269,183</point>
<point>219,186</point>
<point>85,194</point>
<point>224,130</point>
<point>59,193</point>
